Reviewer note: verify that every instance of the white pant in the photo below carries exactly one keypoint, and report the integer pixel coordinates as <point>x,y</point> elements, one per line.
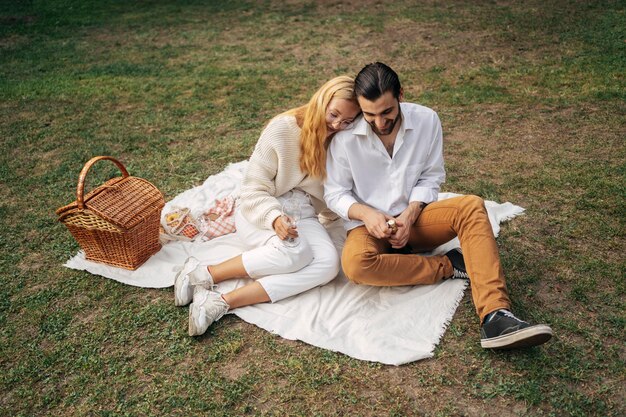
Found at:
<point>285,271</point>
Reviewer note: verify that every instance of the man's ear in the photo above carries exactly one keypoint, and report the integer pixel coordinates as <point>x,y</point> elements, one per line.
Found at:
<point>401,96</point>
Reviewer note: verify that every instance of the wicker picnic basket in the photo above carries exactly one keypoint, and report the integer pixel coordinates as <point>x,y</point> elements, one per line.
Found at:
<point>117,223</point>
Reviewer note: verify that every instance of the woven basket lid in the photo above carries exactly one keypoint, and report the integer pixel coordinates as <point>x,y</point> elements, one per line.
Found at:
<point>123,201</point>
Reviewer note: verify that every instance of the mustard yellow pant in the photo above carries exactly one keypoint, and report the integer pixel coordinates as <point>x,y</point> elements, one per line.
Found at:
<point>372,261</point>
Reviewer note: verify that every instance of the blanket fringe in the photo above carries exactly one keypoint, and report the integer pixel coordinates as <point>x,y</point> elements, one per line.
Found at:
<point>514,211</point>
<point>450,315</point>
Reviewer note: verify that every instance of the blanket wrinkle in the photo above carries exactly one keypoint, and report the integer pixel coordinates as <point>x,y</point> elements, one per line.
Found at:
<point>390,325</point>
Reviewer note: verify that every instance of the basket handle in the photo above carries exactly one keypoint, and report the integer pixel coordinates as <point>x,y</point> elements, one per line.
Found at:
<point>80,190</point>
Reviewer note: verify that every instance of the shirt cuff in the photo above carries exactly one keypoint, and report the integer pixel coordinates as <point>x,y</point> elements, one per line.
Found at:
<point>424,194</point>
<point>343,205</point>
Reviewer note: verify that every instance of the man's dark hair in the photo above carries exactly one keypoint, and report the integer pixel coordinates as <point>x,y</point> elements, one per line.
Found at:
<point>376,79</point>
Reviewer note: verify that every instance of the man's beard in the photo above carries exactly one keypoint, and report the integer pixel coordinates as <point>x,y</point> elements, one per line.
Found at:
<point>388,130</point>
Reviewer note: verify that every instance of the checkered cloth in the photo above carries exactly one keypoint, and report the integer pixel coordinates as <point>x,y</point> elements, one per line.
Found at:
<point>220,219</point>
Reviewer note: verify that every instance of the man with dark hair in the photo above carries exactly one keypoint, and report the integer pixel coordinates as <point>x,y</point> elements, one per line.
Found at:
<point>383,180</point>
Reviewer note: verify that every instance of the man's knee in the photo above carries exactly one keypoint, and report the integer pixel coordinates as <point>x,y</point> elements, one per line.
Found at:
<point>473,204</point>
<point>359,267</point>
<point>473,201</point>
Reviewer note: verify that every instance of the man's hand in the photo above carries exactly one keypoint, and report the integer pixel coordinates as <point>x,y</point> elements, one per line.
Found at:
<point>401,237</point>
<point>375,221</point>
<point>404,222</point>
<point>282,228</point>
<point>376,224</point>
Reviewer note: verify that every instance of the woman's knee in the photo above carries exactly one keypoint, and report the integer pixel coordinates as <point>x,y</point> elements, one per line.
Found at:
<point>328,263</point>
<point>294,258</point>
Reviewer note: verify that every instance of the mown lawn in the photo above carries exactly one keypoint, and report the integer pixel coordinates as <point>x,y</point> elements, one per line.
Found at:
<point>532,99</point>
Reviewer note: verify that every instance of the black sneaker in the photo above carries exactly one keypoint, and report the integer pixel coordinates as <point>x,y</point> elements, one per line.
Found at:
<point>458,264</point>
<point>502,330</point>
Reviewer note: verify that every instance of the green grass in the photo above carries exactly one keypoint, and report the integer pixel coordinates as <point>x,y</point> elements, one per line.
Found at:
<point>531,97</point>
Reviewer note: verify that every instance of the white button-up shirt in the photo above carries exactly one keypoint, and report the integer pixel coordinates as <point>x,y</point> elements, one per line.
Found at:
<point>359,169</point>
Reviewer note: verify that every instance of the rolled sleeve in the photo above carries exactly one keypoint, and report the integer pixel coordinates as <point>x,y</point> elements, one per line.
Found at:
<point>343,205</point>
<point>423,194</point>
<point>434,174</point>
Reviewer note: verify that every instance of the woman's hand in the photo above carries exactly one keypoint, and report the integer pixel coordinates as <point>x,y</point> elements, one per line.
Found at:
<point>282,228</point>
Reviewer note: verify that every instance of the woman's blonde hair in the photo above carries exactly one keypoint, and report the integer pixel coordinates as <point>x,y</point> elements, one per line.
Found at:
<point>312,119</point>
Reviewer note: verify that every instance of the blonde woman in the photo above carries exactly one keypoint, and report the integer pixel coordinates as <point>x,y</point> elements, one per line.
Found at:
<point>288,162</point>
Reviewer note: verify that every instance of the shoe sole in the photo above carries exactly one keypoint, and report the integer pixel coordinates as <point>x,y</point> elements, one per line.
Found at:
<point>179,299</point>
<point>193,330</point>
<point>530,336</point>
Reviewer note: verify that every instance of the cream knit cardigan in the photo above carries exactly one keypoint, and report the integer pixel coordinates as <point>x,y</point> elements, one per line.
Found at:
<point>273,170</point>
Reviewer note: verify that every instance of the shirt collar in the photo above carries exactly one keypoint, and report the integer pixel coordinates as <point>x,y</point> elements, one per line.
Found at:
<point>361,127</point>
<point>406,121</point>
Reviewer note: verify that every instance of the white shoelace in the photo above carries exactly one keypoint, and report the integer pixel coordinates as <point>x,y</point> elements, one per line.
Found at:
<point>460,274</point>
<point>506,313</point>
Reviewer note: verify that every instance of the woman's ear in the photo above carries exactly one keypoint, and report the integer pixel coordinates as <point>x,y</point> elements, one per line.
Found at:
<point>401,96</point>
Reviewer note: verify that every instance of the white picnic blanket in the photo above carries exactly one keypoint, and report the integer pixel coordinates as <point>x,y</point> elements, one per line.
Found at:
<point>391,325</point>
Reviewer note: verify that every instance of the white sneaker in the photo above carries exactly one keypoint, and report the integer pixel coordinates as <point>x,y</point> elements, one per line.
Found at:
<point>187,278</point>
<point>207,308</point>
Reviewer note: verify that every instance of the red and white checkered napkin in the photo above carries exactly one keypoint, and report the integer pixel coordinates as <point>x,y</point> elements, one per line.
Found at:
<point>220,219</point>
